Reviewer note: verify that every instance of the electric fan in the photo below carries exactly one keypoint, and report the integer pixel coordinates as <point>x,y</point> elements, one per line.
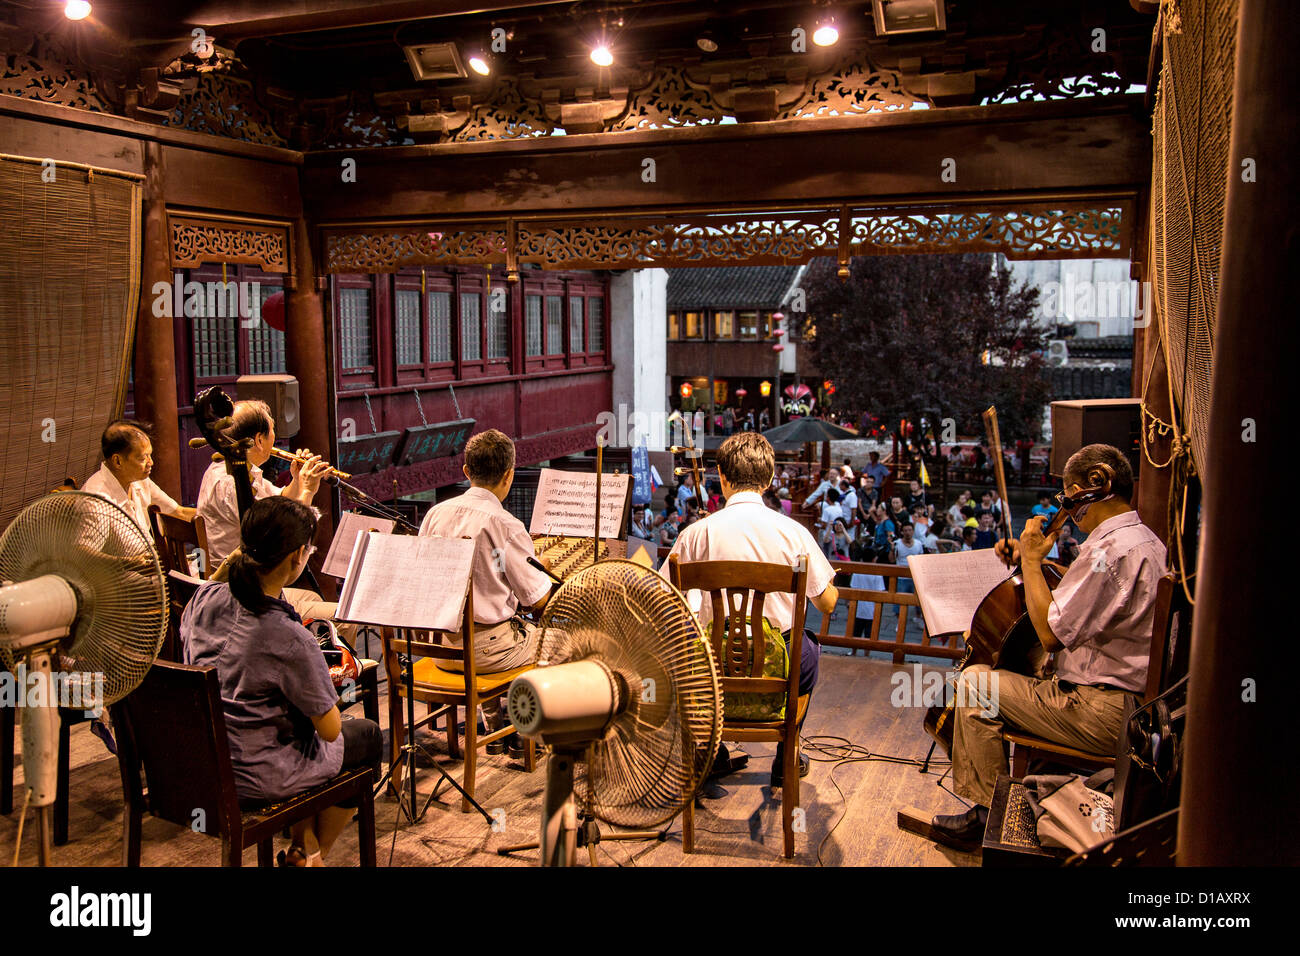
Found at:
<point>626,694</point>
<point>81,581</point>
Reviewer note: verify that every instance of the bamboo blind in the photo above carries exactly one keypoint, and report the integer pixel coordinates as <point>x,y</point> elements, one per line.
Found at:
<point>69,287</point>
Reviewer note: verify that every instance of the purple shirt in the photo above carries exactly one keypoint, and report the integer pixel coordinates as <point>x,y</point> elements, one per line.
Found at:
<point>274,679</point>
<point>1103,611</point>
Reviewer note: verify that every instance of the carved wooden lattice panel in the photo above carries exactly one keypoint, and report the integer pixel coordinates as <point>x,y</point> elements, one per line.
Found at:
<point>46,75</point>
<point>1063,230</point>
<point>196,241</point>
<point>852,88</point>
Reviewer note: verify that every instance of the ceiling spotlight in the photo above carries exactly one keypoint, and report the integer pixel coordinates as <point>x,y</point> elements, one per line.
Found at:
<point>826,33</point>
<point>706,42</point>
<point>479,65</point>
<point>601,56</point>
<point>76,9</point>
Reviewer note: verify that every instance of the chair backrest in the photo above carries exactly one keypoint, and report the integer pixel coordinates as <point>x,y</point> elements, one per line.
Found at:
<point>420,643</point>
<point>173,727</point>
<point>736,592</point>
<point>1171,637</point>
<point>173,535</point>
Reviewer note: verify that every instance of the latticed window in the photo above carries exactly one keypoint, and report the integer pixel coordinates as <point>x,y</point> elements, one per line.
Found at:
<point>216,340</point>
<point>724,325</point>
<point>438,305</point>
<point>532,325</point>
<point>498,331</point>
<point>554,325</point>
<point>596,325</point>
<point>471,348</point>
<point>577,341</point>
<point>265,344</point>
<point>354,328</point>
<point>672,325</point>
<point>748,325</point>
<point>406,332</point>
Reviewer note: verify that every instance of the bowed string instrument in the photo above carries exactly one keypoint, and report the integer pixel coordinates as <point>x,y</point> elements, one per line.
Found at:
<point>1001,633</point>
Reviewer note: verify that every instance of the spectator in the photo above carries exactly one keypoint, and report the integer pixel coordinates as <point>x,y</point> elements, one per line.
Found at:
<point>968,517</point>
<point>921,521</point>
<point>847,470</point>
<point>877,471</point>
<point>840,541</point>
<point>685,493</point>
<point>904,548</point>
<point>929,538</point>
<point>866,609</point>
<point>954,512</point>
<point>1045,508</point>
<point>640,527</point>
<point>764,420</point>
<point>915,496</point>
<point>986,504</point>
<point>716,500</point>
<point>968,539</point>
<point>786,504</point>
<point>772,500</point>
<point>867,490</point>
<point>826,481</point>
<point>884,535</point>
<point>669,529</point>
<point>830,514</point>
<point>1067,545</point>
<point>728,421</point>
<point>848,502</point>
<point>985,535</point>
<point>897,512</point>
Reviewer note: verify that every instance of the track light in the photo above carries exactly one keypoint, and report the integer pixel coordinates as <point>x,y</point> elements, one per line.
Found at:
<point>479,65</point>
<point>601,56</point>
<point>706,42</point>
<point>826,34</point>
<point>76,9</point>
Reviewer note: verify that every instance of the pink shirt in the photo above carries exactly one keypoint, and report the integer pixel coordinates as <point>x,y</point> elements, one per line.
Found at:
<point>748,530</point>
<point>502,577</point>
<point>1103,610</point>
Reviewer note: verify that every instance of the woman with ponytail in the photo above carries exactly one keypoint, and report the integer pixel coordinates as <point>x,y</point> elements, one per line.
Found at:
<point>286,734</point>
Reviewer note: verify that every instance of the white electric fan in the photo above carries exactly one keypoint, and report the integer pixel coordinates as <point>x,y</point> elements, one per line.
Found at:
<point>626,694</point>
<point>81,590</point>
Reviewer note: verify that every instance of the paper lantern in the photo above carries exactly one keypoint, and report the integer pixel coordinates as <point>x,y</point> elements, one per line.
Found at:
<point>686,390</point>
<point>765,389</point>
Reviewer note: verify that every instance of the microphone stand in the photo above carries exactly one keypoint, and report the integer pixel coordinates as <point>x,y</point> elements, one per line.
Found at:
<point>372,505</point>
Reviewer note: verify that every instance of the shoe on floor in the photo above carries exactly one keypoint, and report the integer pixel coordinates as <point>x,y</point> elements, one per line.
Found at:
<point>517,747</point>
<point>961,831</point>
<point>724,764</point>
<point>778,767</point>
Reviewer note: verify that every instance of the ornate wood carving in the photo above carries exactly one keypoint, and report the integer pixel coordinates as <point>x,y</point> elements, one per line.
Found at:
<point>196,241</point>
<point>1075,229</point>
<point>506,114</point>
<point>853,87</point>
<point>226,105</point>
<point>43,72</point>
<point>669,100</point>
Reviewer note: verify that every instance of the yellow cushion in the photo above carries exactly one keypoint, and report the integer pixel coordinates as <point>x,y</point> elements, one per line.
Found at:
<point>428,674</point>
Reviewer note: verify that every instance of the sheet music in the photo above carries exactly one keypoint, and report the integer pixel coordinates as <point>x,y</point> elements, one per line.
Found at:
<point>951,586</point>
<point>352,524</point>
<point>402,580</point>
<point>566,504</point>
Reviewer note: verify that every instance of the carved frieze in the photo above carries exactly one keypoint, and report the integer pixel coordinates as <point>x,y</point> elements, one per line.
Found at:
<point>197,241</point>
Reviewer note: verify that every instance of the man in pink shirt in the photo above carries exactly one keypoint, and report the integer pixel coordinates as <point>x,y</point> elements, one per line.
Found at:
<point>1099,622</point>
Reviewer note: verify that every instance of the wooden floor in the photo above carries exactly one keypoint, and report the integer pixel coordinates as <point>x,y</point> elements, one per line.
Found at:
<point>850,805</point>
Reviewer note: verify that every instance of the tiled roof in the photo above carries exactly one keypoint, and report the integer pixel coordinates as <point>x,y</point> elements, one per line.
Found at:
<point>1106,345</point>
<point>736,287</point>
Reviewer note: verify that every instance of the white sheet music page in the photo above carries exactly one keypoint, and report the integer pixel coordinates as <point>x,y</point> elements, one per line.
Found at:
<point>566,503</point>
<point>951,586</point>
<point>402,580</point>
<point>351,524</point>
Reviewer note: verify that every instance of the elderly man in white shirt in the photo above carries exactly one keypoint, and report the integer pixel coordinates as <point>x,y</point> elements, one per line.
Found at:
<point>746,530</point>
<point>1099,620</point>
<point>124,479</point>
<point>503,578</point>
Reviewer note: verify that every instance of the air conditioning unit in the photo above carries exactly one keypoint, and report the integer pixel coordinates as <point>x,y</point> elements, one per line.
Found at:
<point>1057,352</point>
<point>435,61</point>
<point>893,17</point>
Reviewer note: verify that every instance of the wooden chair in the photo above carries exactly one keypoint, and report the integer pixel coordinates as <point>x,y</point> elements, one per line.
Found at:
<point>172,726</point>
<point>445,692</point>
<point>736,591</point>
<point>172,536</point>
<point>1170,639</point>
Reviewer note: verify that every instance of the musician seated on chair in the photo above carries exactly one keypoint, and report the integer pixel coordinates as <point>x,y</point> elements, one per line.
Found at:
<point>1099,621</point>
<point>281,708</point>
<point>502,577</point>
<point>746,530</point>
<point>124,479</point>
<point>219,506</point>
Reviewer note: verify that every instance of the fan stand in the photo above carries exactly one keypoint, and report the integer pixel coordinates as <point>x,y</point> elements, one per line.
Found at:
<point>406,797</point>
<point>560,817</point>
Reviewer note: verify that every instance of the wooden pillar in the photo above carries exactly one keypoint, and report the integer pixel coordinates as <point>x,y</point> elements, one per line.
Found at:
<point>1240,788</point>
<point>1152,500</point>
<point>307,359</point>
<point>155,341</point>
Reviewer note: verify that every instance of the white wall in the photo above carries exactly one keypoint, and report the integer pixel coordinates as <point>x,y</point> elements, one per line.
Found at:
<point>1097,295</point>
<point>638,302</point>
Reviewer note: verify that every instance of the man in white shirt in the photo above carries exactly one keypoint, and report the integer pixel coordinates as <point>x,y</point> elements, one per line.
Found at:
<point>1099,620</point>
<point>503,578</point>
<point>832,480</point>
<point>848,501</point>
<point>124,479</point>
<point>906,546</point>
<point>747,530</point>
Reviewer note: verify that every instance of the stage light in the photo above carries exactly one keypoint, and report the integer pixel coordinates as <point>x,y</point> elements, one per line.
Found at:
<point>479,65</point>
<point>601,56</point>
<point>826,34</point>
<point>76,9</point>
<point>706,42</point>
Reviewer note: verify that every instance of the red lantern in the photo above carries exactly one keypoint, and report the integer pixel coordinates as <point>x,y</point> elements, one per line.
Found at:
<point>778,347</point>
<point>686,389</point>
<point>741,393</point>
<point>273,311</point>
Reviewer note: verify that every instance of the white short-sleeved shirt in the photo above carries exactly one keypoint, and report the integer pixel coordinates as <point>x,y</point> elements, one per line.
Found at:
<point>1104,609</point>
<point>502,577</point>
<point>134,500</point>
<point>866,582</point>
<point>219,507</point>
<point>747,530</point>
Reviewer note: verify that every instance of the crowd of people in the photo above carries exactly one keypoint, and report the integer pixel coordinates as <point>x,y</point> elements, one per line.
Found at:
<point>854,521</point>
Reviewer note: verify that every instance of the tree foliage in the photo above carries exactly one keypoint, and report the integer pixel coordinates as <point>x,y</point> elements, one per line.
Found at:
<point>912,336</point>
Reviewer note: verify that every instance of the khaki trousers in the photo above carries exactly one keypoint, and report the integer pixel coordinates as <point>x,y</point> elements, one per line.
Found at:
<point>510,644</point>
<point>312,607</point>
<point>1086,718</point>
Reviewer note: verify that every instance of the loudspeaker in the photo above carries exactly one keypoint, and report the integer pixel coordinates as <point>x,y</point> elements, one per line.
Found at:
<point>280,392</point>
<point>1107,421</point>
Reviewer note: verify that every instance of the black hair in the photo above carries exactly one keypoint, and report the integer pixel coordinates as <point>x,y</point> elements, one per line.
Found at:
<point>832,496</point>
<point>272,529</point>
<point>120,437</point>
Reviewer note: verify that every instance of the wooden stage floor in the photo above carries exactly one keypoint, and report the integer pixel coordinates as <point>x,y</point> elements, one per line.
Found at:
<point>850,806</point>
